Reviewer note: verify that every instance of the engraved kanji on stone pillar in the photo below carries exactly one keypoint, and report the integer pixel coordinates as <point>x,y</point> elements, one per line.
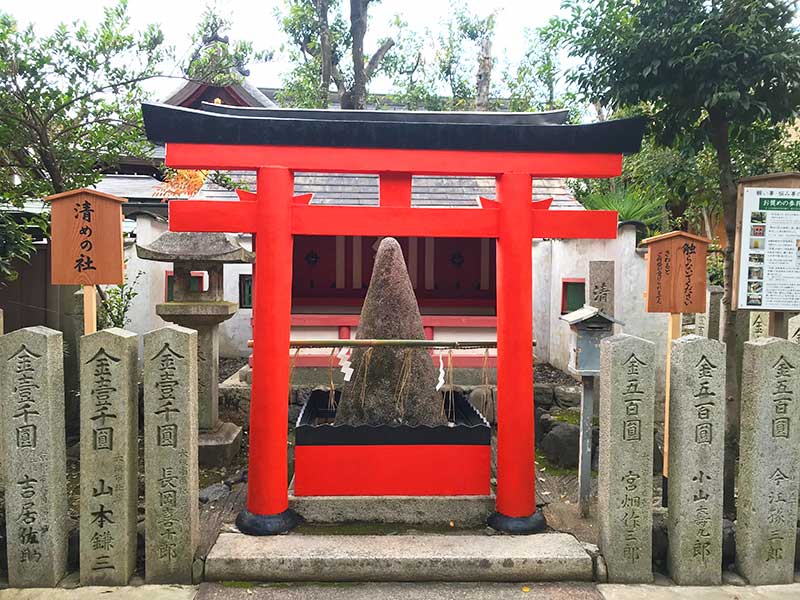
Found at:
<point>625,477</point>
<point>170,454</point>
<point>769,461</point>
<point>600,292</point>
<point>696,453</point>
<point>32,391</point>
<point>759,324</point>
<point>109,456</point>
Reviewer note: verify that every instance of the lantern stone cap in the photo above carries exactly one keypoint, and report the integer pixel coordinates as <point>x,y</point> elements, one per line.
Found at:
<point>770,176</point>
<point>585,313</point>
<point>186,246</point>
<point>78,191</point>
<point>673,234</point>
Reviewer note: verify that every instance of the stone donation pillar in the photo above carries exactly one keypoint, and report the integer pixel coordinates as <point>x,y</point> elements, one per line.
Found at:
<point>195,255</point>
<point>35,462</point>
<point>625,477</point>
<point>109,456</point>
<point>170,454</point>
<point>696,453</point>
<point>769,461</point>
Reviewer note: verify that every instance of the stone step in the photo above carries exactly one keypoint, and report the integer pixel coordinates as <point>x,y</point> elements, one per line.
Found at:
<point>296,557</point>
<point>461,511</point>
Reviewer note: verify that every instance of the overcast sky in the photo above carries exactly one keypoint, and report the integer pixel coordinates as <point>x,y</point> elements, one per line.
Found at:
<point>255,21</point>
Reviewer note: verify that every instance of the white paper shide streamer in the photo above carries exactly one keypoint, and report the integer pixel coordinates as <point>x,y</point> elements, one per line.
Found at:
<point>344,362</point>
<point>440,382</point>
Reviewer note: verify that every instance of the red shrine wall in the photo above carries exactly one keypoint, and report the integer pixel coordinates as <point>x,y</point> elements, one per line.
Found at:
<point>453,279</point>
<point>450,275</point>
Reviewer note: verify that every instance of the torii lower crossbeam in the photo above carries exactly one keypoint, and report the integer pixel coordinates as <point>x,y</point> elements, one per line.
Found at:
<point>275,215</point>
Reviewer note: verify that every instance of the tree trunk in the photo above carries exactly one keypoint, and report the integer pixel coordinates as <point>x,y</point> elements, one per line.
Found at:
<point>358,29</point>
<point>321,7</point>
<point>733,334</point>
<point>484,77</point>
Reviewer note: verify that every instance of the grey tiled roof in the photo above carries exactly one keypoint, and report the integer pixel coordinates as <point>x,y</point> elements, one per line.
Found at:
<point>340,189</point>
<point>347,189</point>
<point>128,186</point>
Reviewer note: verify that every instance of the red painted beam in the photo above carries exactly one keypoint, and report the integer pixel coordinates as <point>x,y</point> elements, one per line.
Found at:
<point>238,216</point>
<point>213,215</point>
<point>378,221</point>
<point>395,189</point>
<point>377,160</point>
<point>579,224</point>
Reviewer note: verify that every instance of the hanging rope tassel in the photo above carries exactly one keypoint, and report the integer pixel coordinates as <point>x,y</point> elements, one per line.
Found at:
<point>367,359</point>
<point>451,391</point>
<point>405,376</point>
<point>487,390</point>
<point>440,384</point>
<point>331,384</point>
<point>292,363</point>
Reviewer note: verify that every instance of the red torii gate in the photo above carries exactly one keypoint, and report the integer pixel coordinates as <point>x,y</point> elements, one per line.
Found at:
<point>276,143</point>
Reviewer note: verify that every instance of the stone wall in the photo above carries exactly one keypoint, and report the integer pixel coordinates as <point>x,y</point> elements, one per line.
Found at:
<point>570,259</point>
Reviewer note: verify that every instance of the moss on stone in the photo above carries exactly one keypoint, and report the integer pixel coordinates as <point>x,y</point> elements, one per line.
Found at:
<point>567,416</point>
<point>546,467</point>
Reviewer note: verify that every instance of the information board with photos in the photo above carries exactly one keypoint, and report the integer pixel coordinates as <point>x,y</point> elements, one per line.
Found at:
<point>769,260</point>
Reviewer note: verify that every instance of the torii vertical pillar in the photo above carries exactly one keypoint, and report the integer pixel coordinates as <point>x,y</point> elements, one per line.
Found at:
<point>268,511</point>
<point>516,497</point>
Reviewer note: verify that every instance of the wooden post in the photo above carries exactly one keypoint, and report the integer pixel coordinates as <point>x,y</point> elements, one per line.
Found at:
<point>673,333</point>
<point>89,309</point>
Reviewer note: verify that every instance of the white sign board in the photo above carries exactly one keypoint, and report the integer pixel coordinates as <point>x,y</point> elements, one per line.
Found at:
<point>769,263</point>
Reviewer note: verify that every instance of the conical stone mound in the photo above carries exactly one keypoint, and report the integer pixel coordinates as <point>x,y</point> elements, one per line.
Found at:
<point>390,386</point>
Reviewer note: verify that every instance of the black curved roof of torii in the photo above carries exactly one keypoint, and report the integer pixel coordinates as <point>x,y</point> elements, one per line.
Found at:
<point>492,132</point>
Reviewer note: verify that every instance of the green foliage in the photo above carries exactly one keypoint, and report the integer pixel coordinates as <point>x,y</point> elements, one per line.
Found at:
<point>301,86</point>
<point>534,84</point>
<point>321,46</point>
<point>69,107</point>
<point>16,242</point>
<point>632,205</point>
<point>457,54</point>
<point>424,64</point>
<point>116,303</point>
<point>215,60</point>
<point>414,74</point>
<point>717,79</point>
<point>688,59</point>
<point>715,265</point>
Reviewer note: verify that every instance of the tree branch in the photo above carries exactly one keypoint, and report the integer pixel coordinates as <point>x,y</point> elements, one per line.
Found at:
<point>376,59</point>
<point>104,88</point>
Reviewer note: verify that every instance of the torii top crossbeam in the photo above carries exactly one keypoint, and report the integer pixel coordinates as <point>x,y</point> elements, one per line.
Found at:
<point>513,148</point>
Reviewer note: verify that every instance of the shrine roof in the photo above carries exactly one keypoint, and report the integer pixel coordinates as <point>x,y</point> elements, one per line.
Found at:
<point>493,132</point>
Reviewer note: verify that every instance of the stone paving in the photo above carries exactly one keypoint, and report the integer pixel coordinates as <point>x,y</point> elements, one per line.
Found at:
<point>410,591</point>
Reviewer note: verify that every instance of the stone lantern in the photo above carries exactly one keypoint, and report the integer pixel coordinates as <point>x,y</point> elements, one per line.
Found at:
<point>203,311</point>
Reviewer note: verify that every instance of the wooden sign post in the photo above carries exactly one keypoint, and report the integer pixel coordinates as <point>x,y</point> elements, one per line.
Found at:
<point>676,284</point>
<point>86,244</point>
